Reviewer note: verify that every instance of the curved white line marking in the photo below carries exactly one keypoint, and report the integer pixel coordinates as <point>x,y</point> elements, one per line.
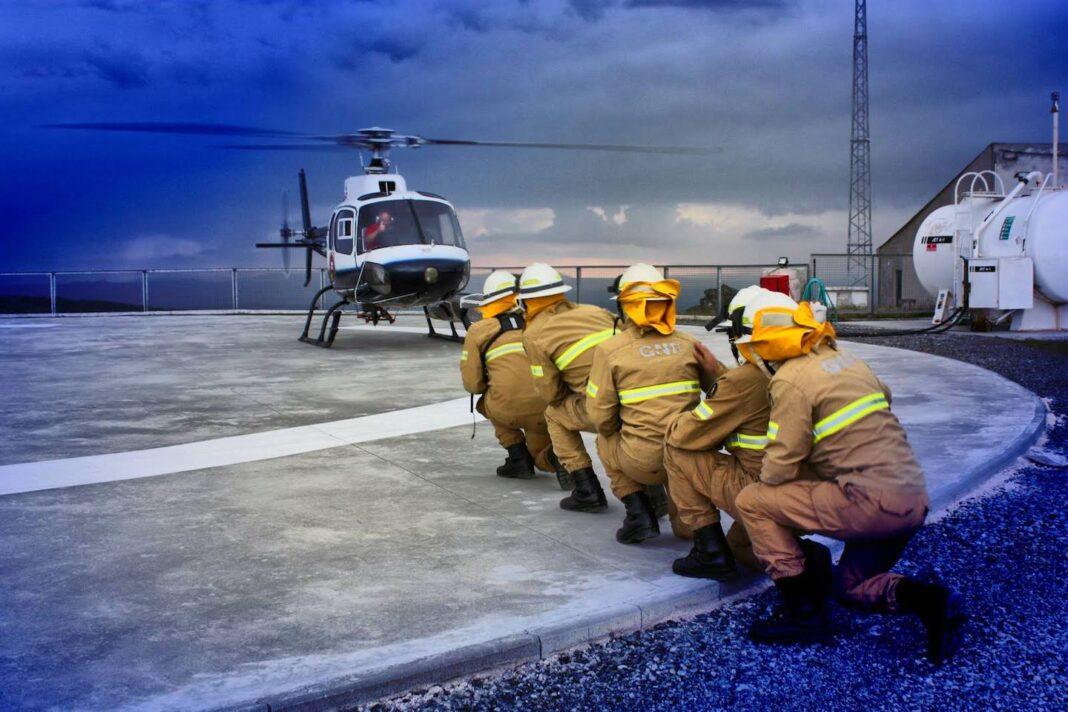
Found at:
<point>51,474</point>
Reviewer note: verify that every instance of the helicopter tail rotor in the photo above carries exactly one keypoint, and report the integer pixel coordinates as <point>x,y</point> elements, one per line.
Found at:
<point>308,237</point>
<point>286,232</point>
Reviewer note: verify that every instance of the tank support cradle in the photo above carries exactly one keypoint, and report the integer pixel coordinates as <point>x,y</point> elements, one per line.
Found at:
<point>435,335</point>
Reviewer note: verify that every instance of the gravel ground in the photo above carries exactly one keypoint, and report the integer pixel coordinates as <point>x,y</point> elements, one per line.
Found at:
<point>1006,553</point>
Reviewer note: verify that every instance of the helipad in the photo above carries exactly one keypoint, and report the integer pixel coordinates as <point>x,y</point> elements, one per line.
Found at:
<point>199,511</point>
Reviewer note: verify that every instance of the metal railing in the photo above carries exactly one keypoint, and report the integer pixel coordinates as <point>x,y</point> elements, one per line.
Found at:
<point>704,287</point>
<point>872,283</point>
<point>891,283</point>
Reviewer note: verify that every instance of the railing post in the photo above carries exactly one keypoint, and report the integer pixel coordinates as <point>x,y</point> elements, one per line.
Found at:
<point>52,291</point>
<point>719,289</point>
<point>578,284</point>
<point>667,271</point>
<point>233,287</point>
<point>144,290</point>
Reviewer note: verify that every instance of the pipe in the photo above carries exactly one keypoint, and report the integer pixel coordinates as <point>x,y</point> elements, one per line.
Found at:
<point>1023,181</point>
<point>1056,111</point>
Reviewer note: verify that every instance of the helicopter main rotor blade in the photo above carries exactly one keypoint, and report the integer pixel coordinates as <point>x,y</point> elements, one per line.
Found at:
<point>163,127</point>
<point>287,147</point>
<point>618,148</point>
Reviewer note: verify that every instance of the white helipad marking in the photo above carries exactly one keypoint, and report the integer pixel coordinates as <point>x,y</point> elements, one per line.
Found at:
<point>26,326</point>
<point>51,474</point>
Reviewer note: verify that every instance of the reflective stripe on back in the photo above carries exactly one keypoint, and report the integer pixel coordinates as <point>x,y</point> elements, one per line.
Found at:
<point>848,415</point>
<point>516,348</point>
<point>637,395</point>
<point>582,346</point>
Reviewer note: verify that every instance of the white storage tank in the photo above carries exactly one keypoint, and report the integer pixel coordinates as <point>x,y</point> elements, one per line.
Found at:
<point>1020,261</point>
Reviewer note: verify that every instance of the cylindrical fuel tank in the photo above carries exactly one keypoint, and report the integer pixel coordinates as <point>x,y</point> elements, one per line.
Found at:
<point>1043,238</point>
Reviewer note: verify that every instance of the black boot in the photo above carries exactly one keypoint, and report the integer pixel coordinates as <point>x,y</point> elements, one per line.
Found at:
<point>563,477</point>
<point>938,610</point>
<point>640,523</point>
<point>802,618</point>
<point>818,564</point>
<point>519,465</point>
<point>658,498</point>
<point>587,495</point>
<point>710,557</point>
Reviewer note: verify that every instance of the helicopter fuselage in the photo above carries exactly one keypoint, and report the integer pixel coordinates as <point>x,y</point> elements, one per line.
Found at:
<point>391,247</point>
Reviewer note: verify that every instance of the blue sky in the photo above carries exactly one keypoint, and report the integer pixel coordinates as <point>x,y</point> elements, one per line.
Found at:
<point>767,81</point>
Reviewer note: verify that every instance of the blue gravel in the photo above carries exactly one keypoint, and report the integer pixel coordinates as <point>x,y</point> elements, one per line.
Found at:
<point>1006,554</point>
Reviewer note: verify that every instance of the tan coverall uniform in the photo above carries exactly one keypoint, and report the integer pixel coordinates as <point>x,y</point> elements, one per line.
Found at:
<point>638,382</point>
<point>559,342</point>
<point>498,368</point>
<point>704,481</point>
<point>829,410</point>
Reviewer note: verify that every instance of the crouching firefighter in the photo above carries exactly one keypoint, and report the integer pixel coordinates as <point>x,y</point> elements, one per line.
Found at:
<point>704,481</point>
<point>640,379</point>
<point>494,365</point>
<point>559,338</point>
<point>829,410</point>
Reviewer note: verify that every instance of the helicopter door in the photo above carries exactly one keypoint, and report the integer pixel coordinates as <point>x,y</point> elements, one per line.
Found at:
<point>345,272</point>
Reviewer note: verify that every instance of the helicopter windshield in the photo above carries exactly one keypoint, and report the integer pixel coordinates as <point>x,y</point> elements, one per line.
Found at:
<point>390,223</point>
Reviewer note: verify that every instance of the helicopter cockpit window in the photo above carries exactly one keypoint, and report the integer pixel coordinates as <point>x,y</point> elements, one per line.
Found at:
<point>439,223</point>
<point>345,228</point>
<point>388,223</point>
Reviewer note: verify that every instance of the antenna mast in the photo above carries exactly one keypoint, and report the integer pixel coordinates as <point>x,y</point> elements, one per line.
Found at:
<point>859,239</point>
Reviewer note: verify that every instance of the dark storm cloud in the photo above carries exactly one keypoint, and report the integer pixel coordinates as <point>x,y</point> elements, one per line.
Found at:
<point>766,81</point>
<point>791,231</point>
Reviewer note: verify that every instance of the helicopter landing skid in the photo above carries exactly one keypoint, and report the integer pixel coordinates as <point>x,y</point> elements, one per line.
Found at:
<point>435,335</point>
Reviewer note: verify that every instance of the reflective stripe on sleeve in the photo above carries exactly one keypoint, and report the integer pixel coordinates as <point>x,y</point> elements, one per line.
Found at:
<point>773,430</point>
<point>848,415</point>
<point>582,346</point>
<point>463,355</point>
<point>516,348</point>
<point>747,442</point>
<point>591,389</point>
<point>537,371</point>
<point>702,411</point>
<point>637,395</point>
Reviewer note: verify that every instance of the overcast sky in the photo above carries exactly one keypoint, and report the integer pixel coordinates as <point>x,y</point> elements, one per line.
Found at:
<point>767,81</point>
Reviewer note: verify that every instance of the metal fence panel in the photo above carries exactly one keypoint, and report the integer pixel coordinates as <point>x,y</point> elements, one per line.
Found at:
<point>272,288</point>
<point>179,290</point>
<point>25,293</point>
<point>892,284</point>
<point>81,292</point>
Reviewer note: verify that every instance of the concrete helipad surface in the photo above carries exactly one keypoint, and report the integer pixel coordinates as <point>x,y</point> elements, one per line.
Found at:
<point>262,523</point>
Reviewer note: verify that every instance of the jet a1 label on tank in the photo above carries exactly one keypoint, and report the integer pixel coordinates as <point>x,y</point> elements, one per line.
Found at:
<point>933,241</point>
<point>983,268</point>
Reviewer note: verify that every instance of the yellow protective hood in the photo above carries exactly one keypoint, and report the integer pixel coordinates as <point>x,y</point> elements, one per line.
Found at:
<point>780,333</point>
<point>536,305</point>
<point>651,304</point>
<point>500,306</point>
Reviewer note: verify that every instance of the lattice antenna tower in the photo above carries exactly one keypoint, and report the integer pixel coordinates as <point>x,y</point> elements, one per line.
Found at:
<point>859,240</point>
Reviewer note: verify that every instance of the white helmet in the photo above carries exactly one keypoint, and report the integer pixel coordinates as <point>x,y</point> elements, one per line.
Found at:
<point>743,297</point>
<point>765,299</point>
<point>541,280</point>
<point>639,272</point>
<point>499,284</point>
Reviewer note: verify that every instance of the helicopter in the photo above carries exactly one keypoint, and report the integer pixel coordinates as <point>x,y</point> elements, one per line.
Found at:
<point>387,247</point>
